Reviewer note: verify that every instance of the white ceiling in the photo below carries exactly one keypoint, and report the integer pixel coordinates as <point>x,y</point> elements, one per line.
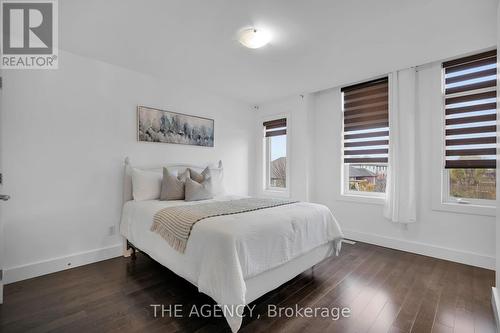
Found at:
<point>316,44</point>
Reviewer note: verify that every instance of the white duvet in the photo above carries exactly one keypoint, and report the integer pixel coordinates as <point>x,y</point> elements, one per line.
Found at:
<point>223,251</point>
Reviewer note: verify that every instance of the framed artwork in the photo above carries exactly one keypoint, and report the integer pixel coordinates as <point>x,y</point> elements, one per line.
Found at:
<point>154,125</point>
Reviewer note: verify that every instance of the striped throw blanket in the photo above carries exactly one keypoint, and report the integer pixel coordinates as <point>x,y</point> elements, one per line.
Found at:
<point>175,223</point>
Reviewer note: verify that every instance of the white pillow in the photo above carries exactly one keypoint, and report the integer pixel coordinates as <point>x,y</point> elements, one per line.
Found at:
<point>218,180</point>
<point>146,185</point>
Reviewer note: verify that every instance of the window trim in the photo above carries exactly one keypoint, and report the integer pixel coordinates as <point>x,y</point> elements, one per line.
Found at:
<point>348,192</point>
<point>441,201</point>
<point>360,196</point>
<point>447,198</point>
<point>266,189</point>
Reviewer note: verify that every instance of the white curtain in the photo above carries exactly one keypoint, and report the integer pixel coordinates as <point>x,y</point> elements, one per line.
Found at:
<point>400,205</point>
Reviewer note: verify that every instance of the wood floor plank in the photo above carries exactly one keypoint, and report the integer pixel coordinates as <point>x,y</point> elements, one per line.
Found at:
<point>427,274</point>
<point>445,313</point>
<point>440,328</point>
<point>366,319</point>
<point>344,292</point>
<point>397,296</point>
<point>318,287</point>
<point>426,313</point>
<point>358,297</point>
<point>483,317</point>
<point>464,318</point>
<point>386,290</point>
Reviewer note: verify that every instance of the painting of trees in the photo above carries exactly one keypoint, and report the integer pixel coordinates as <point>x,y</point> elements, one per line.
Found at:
<point>169,127</point>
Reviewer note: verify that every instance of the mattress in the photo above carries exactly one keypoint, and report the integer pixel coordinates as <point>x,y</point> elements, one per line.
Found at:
<point>224,252</point>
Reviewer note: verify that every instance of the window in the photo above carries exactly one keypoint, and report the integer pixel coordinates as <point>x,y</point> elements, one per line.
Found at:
<point>470,129</point>
<point>366,137</point>
<point>276,150</point>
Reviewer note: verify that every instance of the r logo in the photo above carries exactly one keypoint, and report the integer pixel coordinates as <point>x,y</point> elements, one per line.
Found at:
<point>27,28</point>
<point>29,38</point>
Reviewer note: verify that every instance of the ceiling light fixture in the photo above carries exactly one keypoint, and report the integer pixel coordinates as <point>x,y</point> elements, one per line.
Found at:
<point>254,38</point>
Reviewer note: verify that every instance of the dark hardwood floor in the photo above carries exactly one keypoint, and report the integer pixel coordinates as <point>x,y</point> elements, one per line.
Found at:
<point>386,290</point>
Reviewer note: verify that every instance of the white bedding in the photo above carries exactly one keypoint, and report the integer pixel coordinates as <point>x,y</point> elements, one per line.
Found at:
<point>224,251</point>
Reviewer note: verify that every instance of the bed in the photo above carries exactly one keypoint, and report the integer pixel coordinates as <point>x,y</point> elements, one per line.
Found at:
<point>237,258</point>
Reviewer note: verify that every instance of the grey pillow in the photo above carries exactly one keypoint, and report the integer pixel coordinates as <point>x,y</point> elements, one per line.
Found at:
<point>172,187</point>
<point>199,191</point>
<point>216,174</point>
<point>199,177</point>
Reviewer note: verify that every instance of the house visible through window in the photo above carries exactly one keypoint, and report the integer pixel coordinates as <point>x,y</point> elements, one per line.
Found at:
<point>366,137</point>
<point>470,85</point>
<point>276,150</point>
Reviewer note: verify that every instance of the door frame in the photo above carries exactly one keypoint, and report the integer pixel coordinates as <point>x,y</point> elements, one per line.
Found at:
<point>2,243</point>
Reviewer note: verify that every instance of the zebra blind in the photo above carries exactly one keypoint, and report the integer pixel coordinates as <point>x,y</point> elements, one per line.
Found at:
<point>366,122</point>
<point>470,111</point>
<point>275,127</point>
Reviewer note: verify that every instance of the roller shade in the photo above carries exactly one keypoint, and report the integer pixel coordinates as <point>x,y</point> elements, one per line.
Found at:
<point>366,122</point>
<point>470,111</point>
<point>275,127</point>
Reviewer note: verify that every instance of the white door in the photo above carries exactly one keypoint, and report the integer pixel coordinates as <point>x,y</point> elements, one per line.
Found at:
<point>4,198</point>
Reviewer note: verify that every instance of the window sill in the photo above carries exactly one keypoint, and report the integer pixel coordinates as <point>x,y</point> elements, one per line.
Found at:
<point>359,198</point>
<point>472,209</point>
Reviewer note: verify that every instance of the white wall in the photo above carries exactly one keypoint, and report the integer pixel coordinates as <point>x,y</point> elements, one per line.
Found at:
<point>64,137</point>
<point>460,237</point>
<point>298,110</point>
<point>455,236</point>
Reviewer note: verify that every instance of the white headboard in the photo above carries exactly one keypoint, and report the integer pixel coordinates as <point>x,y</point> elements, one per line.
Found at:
<point>127,179</point>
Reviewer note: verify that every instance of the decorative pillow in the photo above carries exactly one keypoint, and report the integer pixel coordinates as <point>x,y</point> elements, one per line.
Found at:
<point>172,187</point>
<point>198,191</point>
<point>145,185</point>
<point>216,175</point>
<point>198,177</point>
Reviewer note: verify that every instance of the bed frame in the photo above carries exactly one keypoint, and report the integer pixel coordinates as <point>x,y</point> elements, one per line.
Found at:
<point>260,284</point>
<point>131,248</point>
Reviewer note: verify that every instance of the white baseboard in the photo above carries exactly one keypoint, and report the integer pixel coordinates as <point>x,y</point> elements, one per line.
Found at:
<point>495,303</point>
<point>463,257</point>
<point>23,272</point>
<point>18,273</point>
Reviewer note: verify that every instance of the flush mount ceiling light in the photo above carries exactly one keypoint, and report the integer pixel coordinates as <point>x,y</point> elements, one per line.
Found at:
<point>254,38</point>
